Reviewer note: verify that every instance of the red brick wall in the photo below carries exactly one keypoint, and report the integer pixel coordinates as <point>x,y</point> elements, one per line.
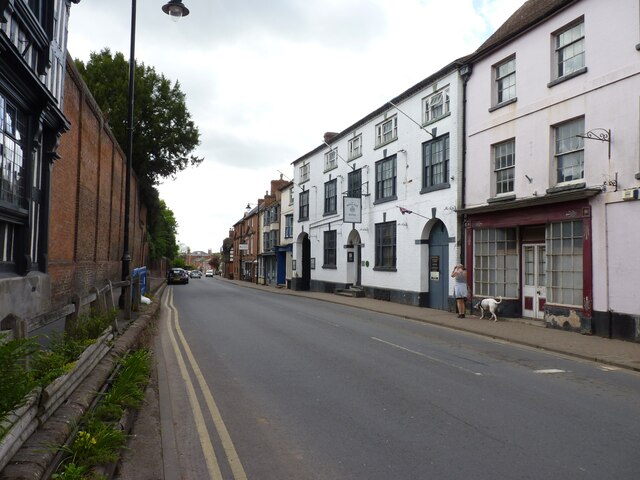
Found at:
<point>87,201</point>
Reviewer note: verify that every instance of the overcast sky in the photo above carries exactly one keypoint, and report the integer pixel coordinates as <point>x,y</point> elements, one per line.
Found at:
<point>264,79</point>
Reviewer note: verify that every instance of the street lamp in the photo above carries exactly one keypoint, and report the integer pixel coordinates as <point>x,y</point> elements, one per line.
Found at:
<point>175,9</point>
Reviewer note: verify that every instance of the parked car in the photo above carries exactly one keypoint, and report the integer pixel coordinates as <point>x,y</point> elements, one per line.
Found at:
<point>177,275</point>
<point>195,274</point>
<point>208,273</point>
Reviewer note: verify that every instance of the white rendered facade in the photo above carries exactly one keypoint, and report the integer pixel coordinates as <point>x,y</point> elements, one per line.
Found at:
<point>389,254</point>
<point>573,72</point>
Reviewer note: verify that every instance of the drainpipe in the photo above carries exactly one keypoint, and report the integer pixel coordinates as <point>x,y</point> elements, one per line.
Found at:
<point>465,72</point>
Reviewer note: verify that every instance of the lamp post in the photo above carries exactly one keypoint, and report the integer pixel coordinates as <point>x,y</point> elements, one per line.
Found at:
<point>175,9</point>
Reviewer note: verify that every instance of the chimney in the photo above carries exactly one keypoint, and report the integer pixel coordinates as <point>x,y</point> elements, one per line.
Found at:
<point>328,136</point>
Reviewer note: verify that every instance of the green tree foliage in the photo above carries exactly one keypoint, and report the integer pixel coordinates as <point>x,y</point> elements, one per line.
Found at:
<point>162,228</point>
<point>214,263</point>
<point>164,134</point>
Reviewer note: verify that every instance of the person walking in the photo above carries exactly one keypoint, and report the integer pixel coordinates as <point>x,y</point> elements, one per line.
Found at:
<point>460,288</point>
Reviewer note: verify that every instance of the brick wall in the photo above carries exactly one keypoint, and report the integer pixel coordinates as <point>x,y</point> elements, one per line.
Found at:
<point>87,201</point>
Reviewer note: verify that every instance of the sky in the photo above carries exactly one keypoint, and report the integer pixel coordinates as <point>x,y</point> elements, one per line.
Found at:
<point>265,79</point>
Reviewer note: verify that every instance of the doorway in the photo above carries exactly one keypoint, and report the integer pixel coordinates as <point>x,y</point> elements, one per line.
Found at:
<point>438,266</point>
<point>534,272</point>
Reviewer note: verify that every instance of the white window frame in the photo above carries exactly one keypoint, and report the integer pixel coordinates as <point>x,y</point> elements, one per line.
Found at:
<point>331,159</point>
<point>568,147</point>
<point>504,164</point>
<point>355,147</point>
<point>565,262</point>
<point>504,74</point>
<point>569,50</point>
<point>495,262</point>
<point>436,106</point>
<point>387,131</point>
<point>304,172</point>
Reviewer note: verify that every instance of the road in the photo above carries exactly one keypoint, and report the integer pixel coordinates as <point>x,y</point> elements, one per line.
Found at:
<point>263,386</point>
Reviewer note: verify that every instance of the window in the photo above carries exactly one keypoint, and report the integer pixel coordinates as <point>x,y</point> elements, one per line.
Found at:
<point>273,238</point>
<point>435,156</point>
<point>291,192</point>
<point>504,155</point>
<point>564,262</point>
<point>354,183</point>
<point>13,129</point>
<point>495,263</point>
<point>331,159</point>
<point>386,245</point>
<point>355,147</point>
<point>505,81</point>
<point>569,50</point>
<point>387,131</point>
<point>304,173</point>
<point>288,229</point>
<point>435,106</point>
<point>303,212</point>
<point>330,248</point>
<point>330,196</point>
<point>569,150</point>
<point>386,179</point>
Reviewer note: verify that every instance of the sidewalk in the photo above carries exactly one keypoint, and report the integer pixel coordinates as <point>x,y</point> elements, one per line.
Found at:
<point>616,353</point>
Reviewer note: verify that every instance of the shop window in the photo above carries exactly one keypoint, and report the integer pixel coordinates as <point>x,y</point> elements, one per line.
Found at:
<point>565,263</point>
<point>495,267</point>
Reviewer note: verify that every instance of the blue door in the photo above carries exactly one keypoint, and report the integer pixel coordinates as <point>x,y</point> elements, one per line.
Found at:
<point>438,267</point>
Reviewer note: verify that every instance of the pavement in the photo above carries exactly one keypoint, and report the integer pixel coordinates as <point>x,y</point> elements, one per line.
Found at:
<point>142,461</point>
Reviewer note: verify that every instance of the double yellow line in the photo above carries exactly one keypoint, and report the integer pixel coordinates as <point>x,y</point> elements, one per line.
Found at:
<point>205,439</point>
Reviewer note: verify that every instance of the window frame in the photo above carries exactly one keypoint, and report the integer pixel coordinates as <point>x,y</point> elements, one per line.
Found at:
<point>559,61</point>
<point>428,106</point>
<point>576,149</point>
<point>383,184</point>
<point>506,167</point>
<point>354,178</point>
<point>288,229</point>
<point>303,208</point>
<point>428,165</point>
<point>564,267</point>
<point>331,159</point>
<point>304,171</point>
<point>355,151</point>
<point>331,197</point>
<point>496,260</point>
<point>385,251</point>
<point>380,133</point>
<point>330,249</point>
<point>498,86</point>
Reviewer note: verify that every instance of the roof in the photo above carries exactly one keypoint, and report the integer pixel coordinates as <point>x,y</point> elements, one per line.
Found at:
<point>379,111</point>
<point>530,14</point>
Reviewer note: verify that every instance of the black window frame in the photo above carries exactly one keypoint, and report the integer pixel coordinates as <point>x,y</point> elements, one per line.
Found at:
<point>429,183</point>
<point>303,208</point>
<point>381,183</point>
<point>354,183</point>
<point>386,231</point>
<point>330,249</point>
<point>331,197</point>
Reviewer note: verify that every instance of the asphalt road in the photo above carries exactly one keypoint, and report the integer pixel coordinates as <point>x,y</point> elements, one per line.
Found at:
<point>265,386</point>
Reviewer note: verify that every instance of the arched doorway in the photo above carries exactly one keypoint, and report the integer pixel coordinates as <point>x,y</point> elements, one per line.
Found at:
<point>438,266</point>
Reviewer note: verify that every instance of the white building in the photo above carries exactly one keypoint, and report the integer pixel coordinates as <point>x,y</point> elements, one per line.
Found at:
<point>351,191</point>
<point>284,249</point>
<point>553,160</point>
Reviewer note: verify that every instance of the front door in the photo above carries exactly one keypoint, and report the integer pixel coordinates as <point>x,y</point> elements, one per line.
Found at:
<point>534,291</point>
<point>438,267</point>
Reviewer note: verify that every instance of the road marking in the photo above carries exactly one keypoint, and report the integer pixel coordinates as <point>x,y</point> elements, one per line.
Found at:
<point>549,371</point>
<point>227,443</point>
<point>201,427</point>
<point>433,359</point>
<point>606,368</point>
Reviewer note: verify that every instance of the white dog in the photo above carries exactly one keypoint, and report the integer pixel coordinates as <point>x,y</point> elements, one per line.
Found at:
<point>490,305</point>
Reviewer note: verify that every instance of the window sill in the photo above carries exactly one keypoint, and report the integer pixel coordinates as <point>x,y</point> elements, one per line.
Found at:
<point>385,143</point>
<point>566,187</point>
<point>555,82</point>
<point>435,188</point>
<point>385,269</point>
<point>431,122</point>
<point>305,219</point>
<point>502,198</point>
<point>330,168</point>
<point>350,159</point>
<point>330,214</point>
<point>498,106</point>
<point>329,267</point>
<point>385,200</point>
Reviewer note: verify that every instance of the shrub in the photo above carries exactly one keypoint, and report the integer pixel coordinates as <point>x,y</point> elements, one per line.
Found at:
<point>16,381</point>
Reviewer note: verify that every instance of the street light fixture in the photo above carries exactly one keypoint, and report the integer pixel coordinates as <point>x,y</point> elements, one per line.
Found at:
<point>175,9</point>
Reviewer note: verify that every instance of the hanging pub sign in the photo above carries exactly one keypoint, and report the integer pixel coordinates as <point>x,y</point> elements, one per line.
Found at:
<point>352,209</point>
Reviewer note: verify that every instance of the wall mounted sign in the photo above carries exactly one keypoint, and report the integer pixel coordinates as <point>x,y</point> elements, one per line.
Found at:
<point>352,209</point>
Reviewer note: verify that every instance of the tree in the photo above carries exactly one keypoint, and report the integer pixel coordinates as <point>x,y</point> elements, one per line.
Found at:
<point>162,229</point>
<point>214,262</point>
<point>164,136</point>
